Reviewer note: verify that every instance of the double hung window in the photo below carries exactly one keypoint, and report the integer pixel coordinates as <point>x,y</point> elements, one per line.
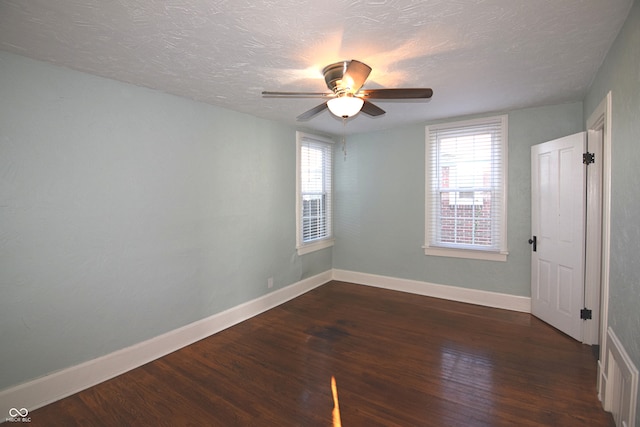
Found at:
<point>466,166</point>
<point>314,194</point>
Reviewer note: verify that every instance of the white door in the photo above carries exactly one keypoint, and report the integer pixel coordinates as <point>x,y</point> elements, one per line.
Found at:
<point>557,224</point>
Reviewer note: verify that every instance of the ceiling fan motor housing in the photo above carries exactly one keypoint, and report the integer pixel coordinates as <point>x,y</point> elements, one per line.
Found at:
<point>333,76</point>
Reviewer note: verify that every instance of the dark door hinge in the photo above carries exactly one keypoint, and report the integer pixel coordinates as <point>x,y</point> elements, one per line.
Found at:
<point>585,314</point>
<point>588,158</point>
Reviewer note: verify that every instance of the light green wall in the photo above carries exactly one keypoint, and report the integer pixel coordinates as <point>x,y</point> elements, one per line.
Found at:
<point>620,74</point>
<point>380,205</point>
<point>126,213</point>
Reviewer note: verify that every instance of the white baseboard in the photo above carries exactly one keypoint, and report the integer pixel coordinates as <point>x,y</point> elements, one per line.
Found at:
<point>454,293</point>
<point>42,391</point>
<point>601,383</point>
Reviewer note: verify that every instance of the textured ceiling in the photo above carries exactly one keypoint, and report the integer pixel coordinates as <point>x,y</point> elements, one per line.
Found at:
<point>477,55</point>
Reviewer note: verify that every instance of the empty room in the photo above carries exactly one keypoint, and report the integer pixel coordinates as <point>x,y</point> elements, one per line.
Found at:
<point>341,213</point>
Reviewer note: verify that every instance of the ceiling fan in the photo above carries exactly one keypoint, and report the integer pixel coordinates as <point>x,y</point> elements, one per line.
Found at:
<point>345,79</point>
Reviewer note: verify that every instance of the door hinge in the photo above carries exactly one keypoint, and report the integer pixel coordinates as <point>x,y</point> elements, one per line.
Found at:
<point>588,158</point>
<point>585,314</point>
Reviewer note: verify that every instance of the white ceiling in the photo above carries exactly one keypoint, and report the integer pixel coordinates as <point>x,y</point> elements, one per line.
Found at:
<point>477,55</point>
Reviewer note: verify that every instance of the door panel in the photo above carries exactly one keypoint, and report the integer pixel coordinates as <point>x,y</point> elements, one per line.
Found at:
<point>565,291</point>
<point>557,201</point>
<point>542,291</point>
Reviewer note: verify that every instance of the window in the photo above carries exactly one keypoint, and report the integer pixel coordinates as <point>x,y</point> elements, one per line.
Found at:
<point>314,161</point>
<point>466,166</point>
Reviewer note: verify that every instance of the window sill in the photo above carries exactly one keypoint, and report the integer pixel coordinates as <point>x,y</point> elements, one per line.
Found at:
<point>466,253</point>
<point>314,246</point>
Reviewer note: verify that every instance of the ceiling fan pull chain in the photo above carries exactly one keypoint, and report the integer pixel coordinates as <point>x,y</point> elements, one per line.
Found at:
<point>344,139</point>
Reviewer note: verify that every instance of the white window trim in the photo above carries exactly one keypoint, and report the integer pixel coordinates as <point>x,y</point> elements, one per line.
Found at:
<point>478,254</point>
<point>316,245</point>
<point>466,253</point>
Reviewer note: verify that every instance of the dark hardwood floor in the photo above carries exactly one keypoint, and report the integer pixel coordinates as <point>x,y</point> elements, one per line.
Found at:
<point>398,360</point>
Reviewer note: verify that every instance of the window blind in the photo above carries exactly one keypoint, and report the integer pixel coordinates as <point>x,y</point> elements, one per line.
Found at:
<point>316,158</point>
<point>466,185</point>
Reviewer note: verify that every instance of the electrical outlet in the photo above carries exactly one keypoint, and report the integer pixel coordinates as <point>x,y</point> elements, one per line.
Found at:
<point>270,282</point>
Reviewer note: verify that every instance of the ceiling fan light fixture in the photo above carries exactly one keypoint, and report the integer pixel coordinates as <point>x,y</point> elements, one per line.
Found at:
<point>345,79</point>
<point>345,106</point>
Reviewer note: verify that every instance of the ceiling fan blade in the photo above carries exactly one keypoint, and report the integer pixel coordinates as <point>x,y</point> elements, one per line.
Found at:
<point>355,75</point>
<point>409,93</point>
<point>315,110</point>
<point>270,94</point>
<point>371,109</point>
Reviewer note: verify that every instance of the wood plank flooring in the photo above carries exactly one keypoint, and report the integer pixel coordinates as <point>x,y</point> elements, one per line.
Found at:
<point>398,360</point>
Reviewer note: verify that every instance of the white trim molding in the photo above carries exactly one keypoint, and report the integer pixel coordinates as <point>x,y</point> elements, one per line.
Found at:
<point>453,293</point>
<point>42,391</point>
<point>466,253</point>
<point>621,382</point>
<point>601,120</point>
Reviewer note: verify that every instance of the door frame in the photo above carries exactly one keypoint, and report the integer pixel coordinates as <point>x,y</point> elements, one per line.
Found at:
<point>597,279</point>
